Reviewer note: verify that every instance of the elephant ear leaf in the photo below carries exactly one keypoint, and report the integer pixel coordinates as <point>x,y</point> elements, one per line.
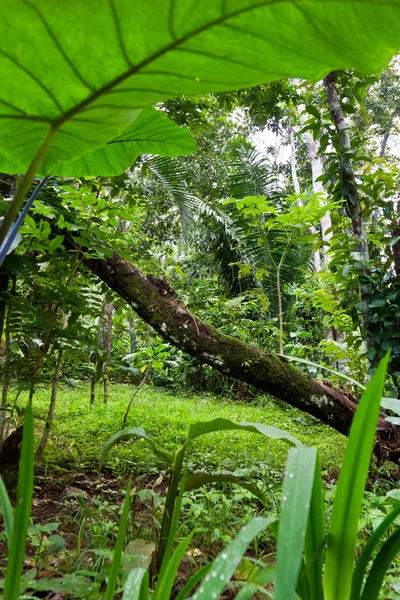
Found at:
<point>76,74</point>
<point>151,133</point>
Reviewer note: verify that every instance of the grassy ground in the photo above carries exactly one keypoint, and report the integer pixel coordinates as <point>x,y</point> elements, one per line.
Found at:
<point>86,505</point>
<point>80,431</point>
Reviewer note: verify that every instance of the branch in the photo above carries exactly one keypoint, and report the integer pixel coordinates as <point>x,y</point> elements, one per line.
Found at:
<point>271,374</point>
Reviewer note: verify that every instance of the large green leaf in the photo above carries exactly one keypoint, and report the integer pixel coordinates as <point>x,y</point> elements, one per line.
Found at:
<point>202,427</point>
<point>151,133</point>
<point>76,73</point>
<point>133,432</point>
<point>350,491</point>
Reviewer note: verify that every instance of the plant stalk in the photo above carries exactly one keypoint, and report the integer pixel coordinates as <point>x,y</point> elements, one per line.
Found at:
<point>25,185</point>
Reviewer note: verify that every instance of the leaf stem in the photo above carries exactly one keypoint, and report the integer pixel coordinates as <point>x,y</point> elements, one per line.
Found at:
<point>25,184</point>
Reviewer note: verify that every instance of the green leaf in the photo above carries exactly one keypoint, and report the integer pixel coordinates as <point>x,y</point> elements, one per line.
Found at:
<point>350,490</point>
<point>137,585</point>
<point>8,516</point>
<point>197,480</point>
<point>226,562</point>
<point>133,431</point>
<point>116,561</point>
<point>257,583</point>
<point>220,424</point>
<point>296,501</point>
<point>365,556</point>
<point>151,133</point>
<point>22,510</point>
<point>381,564</point>
<point>83,69</point>
<point>312,110</point>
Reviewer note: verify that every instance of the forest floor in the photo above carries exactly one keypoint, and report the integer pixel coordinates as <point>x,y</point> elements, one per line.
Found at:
<point>76,508</point>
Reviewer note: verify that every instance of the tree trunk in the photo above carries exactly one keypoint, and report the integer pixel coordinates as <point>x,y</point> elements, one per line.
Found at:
<point>105,341</point>
<point>352,197</point>
<point>154,303</point>
<point>297,190</point>
<point>317,170</point>
<point>132,334</point>
<point>7,361</point>
<point>4,279</point>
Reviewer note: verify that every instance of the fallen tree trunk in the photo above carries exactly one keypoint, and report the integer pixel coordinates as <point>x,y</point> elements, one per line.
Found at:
<point>153,301</point>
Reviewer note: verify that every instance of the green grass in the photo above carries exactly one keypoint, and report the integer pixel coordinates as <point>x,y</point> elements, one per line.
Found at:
<point>80,430</point>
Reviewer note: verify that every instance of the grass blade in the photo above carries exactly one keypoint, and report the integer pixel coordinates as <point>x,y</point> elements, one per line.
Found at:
<point>225,564</point>
<point>381,564</point>
<point>137,585</point>
<point>315,537</point>
<point>166,580</point>
<point>365,556</point>
<point>22,510</point>
<point>350,491</point>
<point>296,501</point>
<point>116,561</point>
<point>8,515</point>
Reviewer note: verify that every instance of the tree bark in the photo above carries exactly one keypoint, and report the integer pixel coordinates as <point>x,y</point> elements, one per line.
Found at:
<point>317,170</point>
<point>152,301</point>
<point>297,190</point>
<point>352,198</point>
<point>105,341</point>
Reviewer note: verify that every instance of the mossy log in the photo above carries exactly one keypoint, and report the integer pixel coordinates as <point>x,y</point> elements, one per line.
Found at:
<point>155,303</point>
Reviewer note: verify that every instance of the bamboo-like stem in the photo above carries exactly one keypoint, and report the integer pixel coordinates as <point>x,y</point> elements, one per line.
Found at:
<point>26,183</point>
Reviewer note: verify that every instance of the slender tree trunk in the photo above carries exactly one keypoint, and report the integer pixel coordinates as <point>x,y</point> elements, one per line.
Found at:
<point>296,185</point>
<point>317,170</point>
<point>57,374</point>
<point>352,198</point>
<point>7,362</point>
<point>53,398</point>
<point>4,280</point>
<point>135,393</point>
<point>106,342</point>
<point>280,310</point>
<point>93,388</point>
<point>132,335</point>
<point>232,357</point>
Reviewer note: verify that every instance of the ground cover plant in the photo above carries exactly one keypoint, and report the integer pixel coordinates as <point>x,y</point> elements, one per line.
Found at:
<point>199,205</point>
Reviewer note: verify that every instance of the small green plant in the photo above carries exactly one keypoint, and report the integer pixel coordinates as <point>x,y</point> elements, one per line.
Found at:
<point>175,463</point>
<point>311,563</point>
<point>45,541</point>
